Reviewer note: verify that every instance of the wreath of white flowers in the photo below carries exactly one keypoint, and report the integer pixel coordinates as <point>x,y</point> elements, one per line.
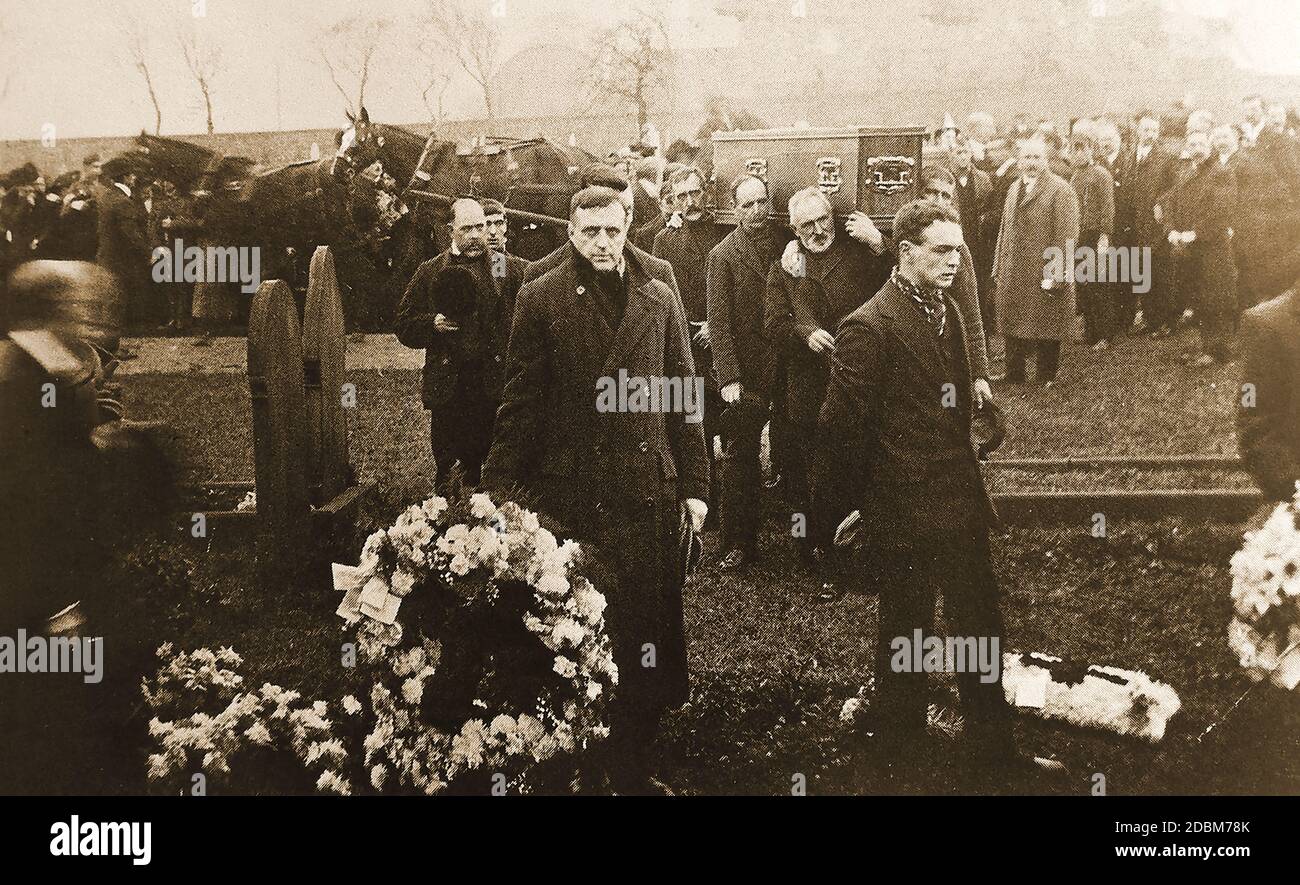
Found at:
<point>479,553</point>
<point>1265,634</point>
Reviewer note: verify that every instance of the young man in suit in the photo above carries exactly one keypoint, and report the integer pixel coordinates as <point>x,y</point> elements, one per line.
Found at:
<point>896,430</point>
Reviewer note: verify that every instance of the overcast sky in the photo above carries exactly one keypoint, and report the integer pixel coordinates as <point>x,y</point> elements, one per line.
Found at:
<point>67,66</point>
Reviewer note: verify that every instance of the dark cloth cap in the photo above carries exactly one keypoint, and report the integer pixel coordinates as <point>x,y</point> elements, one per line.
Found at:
<point>601,175</point>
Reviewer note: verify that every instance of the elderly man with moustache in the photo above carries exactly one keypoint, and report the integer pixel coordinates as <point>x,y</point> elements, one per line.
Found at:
<point>686,248</point>
<point>1035,309</point>
<point>902,444</point>
<point>743,358</point>
<point>622,484</point>
<point>462,364</point>
<point>832,276</point>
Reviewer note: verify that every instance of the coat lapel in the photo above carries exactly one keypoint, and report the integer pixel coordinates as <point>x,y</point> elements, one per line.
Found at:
<point>644,308</point>
<point>914,330</point>
<point>748,254</point>
<point>643,313</point>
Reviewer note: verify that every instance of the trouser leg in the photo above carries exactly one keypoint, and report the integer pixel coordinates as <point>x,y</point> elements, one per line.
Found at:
<point>1049,360</point>
<point>906,605</point>
<point>1015,359</point>
<point>742,479</point>
<point>971,605</point>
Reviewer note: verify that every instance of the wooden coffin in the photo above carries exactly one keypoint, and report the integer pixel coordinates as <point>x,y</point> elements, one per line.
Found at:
<point>872,169</point>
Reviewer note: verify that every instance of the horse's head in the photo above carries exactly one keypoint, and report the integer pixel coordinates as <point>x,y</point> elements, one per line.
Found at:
<point>358,146</point>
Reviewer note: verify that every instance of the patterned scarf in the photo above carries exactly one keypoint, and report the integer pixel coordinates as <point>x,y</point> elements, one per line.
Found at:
<point>931,301</point>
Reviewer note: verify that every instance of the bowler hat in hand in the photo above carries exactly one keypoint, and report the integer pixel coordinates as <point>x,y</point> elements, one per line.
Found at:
<point>988,428</point>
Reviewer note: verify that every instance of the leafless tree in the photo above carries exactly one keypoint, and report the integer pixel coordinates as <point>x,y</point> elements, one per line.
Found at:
<point>632,62</point>
<point>204,59</point>
<point>138,55</point>
<point>467,33</point>
<point>431,75</point>
<point>348,49</point>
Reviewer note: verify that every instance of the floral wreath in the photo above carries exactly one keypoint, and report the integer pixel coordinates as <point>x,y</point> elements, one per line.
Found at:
<point>1265,632</point>
<point>450,566</point>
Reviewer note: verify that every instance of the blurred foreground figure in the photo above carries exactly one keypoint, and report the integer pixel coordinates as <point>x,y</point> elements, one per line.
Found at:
<point>52,324</point>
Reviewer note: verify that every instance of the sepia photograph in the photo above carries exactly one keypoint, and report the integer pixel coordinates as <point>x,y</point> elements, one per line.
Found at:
<point>854,399</point>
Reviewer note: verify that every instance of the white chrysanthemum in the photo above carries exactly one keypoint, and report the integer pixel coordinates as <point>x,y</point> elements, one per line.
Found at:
<point>403,583</point>
<point>413,690</point>
<point>330,781</point>
<point>434,508</point>
<point>565,667</point>
<point>528,522</point>
<point>591,603</point>
<point>544,543</point>
<point>459,565</point>
<point>378,774</point>
<point>568,631</point>
<point>258,733</point>
<point>351,705</point>
<point>481,506</point>
<point>593,690</point>
<point>552,585</point>
<point>158,767</point>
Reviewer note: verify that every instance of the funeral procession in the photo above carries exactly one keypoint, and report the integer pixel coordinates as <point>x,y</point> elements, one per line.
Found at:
<point>651,398</point>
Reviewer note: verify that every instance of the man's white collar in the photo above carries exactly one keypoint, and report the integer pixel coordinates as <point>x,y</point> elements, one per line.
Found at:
<point>123,188</point>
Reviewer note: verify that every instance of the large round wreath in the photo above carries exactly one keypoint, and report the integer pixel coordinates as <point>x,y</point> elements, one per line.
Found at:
<point>499,662</point>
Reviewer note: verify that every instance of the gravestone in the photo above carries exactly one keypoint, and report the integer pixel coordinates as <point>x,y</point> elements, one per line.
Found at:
<point>275,383</point>
<point>324,348</point>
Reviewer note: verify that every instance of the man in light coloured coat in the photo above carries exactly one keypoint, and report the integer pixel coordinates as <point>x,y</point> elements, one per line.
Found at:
<point>1035,291</point>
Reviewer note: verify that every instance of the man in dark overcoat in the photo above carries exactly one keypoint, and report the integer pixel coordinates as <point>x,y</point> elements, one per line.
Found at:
<point>457,308</point>
<point>743,357</point>
<point>1198,215</point>
<point>835,275</point>
<point>686,248</point>
<point>621,481</point>
<point>123,241</point>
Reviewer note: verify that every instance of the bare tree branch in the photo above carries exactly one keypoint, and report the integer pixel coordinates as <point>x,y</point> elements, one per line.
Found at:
<point>468,34</point>
<point>348,49</point>
<point>138,56</point>
<point>205,63</point>
<point>632,62</point>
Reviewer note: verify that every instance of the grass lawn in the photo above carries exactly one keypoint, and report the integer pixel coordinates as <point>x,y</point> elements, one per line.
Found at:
<point>770,664</point>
